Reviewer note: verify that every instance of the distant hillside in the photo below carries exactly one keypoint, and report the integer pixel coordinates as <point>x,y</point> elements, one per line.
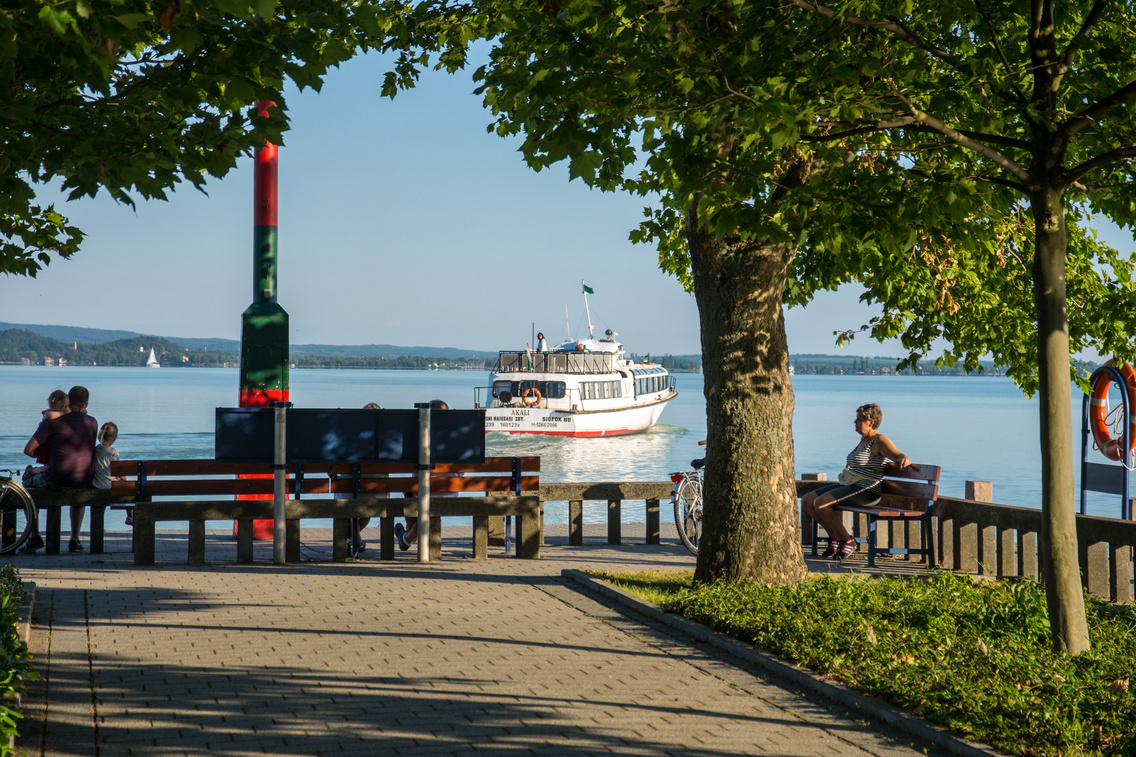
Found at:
<point>72,334</point>
<point>27,347</point>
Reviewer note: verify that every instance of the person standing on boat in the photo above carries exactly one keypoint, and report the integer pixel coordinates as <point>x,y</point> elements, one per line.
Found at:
<point>541,345</point>
<point>408,534</point>
<point>860,483</point>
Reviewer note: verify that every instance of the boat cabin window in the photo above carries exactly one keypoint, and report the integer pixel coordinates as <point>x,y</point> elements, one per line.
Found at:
<point>600,390</point>
<point>508,391</point>
<point>650,380</point>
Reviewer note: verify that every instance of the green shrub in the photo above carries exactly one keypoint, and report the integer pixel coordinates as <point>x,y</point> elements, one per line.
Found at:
<point>16,662</point>
<point>974,656</point>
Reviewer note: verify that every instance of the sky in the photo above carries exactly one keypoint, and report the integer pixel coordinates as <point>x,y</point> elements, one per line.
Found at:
<point>400,222</point>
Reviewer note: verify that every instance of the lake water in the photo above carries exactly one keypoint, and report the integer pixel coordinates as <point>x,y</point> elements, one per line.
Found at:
<point>976,428</point>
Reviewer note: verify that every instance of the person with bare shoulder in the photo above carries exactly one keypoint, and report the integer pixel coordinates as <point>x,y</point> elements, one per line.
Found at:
<point>859,484</point>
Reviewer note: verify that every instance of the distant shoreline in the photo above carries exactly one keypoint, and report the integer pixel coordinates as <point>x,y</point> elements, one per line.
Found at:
<point>454,369</point>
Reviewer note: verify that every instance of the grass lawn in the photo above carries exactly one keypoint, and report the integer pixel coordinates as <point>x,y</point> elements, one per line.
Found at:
<point>971,655</point>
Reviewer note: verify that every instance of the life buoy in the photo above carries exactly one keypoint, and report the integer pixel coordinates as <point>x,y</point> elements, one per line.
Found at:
<point>1098,412</point>
<point>531,397</point>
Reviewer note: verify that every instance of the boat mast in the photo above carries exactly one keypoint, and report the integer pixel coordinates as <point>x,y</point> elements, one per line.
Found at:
<point>586,310</point>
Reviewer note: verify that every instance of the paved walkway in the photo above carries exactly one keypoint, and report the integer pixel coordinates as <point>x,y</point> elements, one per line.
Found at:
<point>499,656</point>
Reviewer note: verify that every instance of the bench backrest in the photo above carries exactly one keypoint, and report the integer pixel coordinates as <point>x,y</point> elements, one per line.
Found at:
<point>145,479</point>
<point>911,489</point>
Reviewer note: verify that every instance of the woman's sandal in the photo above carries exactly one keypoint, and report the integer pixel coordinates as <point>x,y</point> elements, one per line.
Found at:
<point>846,548</point>
<point>833,545</point>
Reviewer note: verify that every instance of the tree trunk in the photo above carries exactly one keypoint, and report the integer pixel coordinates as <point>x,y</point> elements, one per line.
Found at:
<point>1060,567</point>
<point>750,515</point>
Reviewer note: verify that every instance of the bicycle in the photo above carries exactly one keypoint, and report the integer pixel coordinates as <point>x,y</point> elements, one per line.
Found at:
<point>17,513</point>
<point>687,496</point>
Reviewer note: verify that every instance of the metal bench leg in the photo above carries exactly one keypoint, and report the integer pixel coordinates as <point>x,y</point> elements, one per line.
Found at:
<point>929,539</point>
<point>872,523</point>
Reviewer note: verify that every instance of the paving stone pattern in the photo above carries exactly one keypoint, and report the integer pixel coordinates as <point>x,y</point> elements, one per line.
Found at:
<point>498,656</point>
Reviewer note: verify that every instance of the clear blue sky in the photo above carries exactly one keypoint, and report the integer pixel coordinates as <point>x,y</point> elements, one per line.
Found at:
<point>401,222</point>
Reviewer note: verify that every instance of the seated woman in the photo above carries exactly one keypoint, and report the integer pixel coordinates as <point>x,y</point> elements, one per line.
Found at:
<point>860,483</point>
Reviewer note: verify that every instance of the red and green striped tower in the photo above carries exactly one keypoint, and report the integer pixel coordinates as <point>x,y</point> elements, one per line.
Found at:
<point>264,325</point>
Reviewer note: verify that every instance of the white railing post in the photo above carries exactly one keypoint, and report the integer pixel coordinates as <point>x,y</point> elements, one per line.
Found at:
<point>279,490</point>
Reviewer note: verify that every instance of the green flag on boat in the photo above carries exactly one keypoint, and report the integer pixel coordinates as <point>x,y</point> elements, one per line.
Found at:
<point>587,289</point>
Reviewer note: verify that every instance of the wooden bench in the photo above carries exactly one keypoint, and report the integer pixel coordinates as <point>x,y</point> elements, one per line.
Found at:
<point>909,496</point>
<point>50,503</point>
<point>336,491</point>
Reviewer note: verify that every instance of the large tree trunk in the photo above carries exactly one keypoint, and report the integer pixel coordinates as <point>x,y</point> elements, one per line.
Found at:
<point>1060,568</point>
<point>750,516</point>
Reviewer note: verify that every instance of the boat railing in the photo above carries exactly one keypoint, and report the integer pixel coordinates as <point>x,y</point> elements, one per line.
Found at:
<point>556,362</point>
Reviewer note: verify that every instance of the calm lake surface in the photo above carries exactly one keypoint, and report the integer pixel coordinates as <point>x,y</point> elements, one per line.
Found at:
<point>979,428</point>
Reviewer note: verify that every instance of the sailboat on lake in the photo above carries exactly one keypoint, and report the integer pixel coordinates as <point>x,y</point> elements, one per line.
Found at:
<point>152,361</point>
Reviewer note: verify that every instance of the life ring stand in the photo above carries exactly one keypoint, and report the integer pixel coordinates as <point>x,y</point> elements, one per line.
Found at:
<point>531,397</point>
<point>1098,412</point>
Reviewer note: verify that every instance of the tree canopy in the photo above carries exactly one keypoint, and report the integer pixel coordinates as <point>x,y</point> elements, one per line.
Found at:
<point>948,157</point>
<point>135,97</point>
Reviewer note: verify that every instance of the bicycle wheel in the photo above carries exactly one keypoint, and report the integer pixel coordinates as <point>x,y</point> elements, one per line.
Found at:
<point>16,515</point>
<point>688,512</point>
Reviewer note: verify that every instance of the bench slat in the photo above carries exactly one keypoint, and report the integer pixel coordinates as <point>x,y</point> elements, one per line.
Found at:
<point>911,489</point>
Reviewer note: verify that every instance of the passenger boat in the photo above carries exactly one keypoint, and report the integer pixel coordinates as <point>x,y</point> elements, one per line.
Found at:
<point>581,387</point>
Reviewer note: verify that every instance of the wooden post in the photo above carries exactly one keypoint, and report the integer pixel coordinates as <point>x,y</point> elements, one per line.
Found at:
<point>979,491</point>
<point>614,526</point>
<point>652,521</point>
<point>576,522</point>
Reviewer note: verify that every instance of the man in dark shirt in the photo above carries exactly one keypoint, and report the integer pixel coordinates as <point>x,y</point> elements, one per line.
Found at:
<point>70,442</point>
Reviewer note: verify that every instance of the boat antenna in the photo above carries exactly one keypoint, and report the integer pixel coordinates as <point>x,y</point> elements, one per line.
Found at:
<point>588,290</point>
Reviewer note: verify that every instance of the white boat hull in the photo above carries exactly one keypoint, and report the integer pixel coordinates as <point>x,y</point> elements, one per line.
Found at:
<point>540,420</point>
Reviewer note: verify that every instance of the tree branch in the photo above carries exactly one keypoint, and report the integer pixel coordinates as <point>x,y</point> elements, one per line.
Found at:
<point>1082,34</point>
<point>1099,109</point>
<point>891,25</point>
<point>1001,53</point>
<point>1074,174</point>
<point>969,143</point>
<point>913,123</point>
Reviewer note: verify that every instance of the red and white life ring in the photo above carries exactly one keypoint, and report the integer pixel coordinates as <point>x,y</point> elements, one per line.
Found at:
<point>1098,411</point>
<point>531,397</point>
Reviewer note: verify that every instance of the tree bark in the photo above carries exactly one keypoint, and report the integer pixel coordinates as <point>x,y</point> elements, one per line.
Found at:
<point>1060,562</point>
<point>750,527</point>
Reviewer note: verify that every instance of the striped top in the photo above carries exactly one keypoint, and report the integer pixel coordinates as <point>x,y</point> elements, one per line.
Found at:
<point>863,462</point>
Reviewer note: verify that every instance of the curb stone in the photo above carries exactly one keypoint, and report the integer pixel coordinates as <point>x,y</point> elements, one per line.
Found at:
<point>24,626</point>
<point>802,677</point>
